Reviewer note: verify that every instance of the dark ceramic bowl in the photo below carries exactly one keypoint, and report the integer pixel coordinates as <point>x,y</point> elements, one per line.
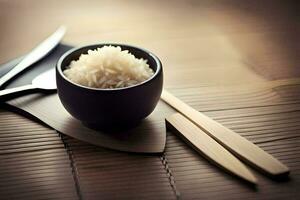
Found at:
<point>110,108</point>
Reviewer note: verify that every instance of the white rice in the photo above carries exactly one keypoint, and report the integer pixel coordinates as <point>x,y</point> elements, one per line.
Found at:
<point>108,67</point>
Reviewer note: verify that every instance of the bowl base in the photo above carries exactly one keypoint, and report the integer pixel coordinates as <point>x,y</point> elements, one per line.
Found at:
<point>112,127</point>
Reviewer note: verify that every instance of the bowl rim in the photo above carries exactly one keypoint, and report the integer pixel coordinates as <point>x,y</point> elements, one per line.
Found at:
<point>69,52</point>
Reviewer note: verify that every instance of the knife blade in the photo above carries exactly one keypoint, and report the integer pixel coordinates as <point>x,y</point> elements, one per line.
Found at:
<point>35,55</point>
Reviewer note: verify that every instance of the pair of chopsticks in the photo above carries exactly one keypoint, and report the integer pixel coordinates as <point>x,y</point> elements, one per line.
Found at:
<point>220,144</point>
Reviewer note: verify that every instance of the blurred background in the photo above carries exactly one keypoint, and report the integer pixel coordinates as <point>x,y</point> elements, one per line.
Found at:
<point>203,43</point>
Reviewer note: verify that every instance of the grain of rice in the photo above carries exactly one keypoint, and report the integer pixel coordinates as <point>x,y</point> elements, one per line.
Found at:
<point>108,67</point>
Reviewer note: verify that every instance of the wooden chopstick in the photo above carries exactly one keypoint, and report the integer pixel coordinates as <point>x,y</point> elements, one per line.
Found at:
<point>208,147</point>
<point>233,142</point>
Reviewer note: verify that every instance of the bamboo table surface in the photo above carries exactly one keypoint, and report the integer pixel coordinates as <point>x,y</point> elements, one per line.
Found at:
<point>235,61</point>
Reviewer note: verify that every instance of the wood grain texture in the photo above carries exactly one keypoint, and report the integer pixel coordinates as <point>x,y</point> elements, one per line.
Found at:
<point>208,147</point>
<point>34,163</point>
<point>220,57</point>
<point>108,174</point>
<point>196,178</point>
<point>239,146</point>
<point>267,127</point>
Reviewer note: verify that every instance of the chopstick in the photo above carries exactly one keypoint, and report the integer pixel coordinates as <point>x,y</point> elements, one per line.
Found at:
<point>208,147</point>
<point>233,142</point>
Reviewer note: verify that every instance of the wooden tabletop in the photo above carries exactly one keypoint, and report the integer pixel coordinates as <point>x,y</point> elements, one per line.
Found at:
<point>237,61</point>
<point>199,42</point>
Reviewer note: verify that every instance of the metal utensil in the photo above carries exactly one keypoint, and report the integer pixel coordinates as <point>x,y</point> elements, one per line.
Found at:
<point>36,54</point>
<point>45,82</point>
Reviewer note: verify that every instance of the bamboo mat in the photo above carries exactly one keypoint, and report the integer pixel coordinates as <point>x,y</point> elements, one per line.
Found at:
<point>34,162</point>
<point>268,116</point>
<point>201,44</point>
<point>39,163</point>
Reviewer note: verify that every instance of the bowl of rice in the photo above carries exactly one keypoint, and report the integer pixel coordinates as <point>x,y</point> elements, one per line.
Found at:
<point>109,86</point>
